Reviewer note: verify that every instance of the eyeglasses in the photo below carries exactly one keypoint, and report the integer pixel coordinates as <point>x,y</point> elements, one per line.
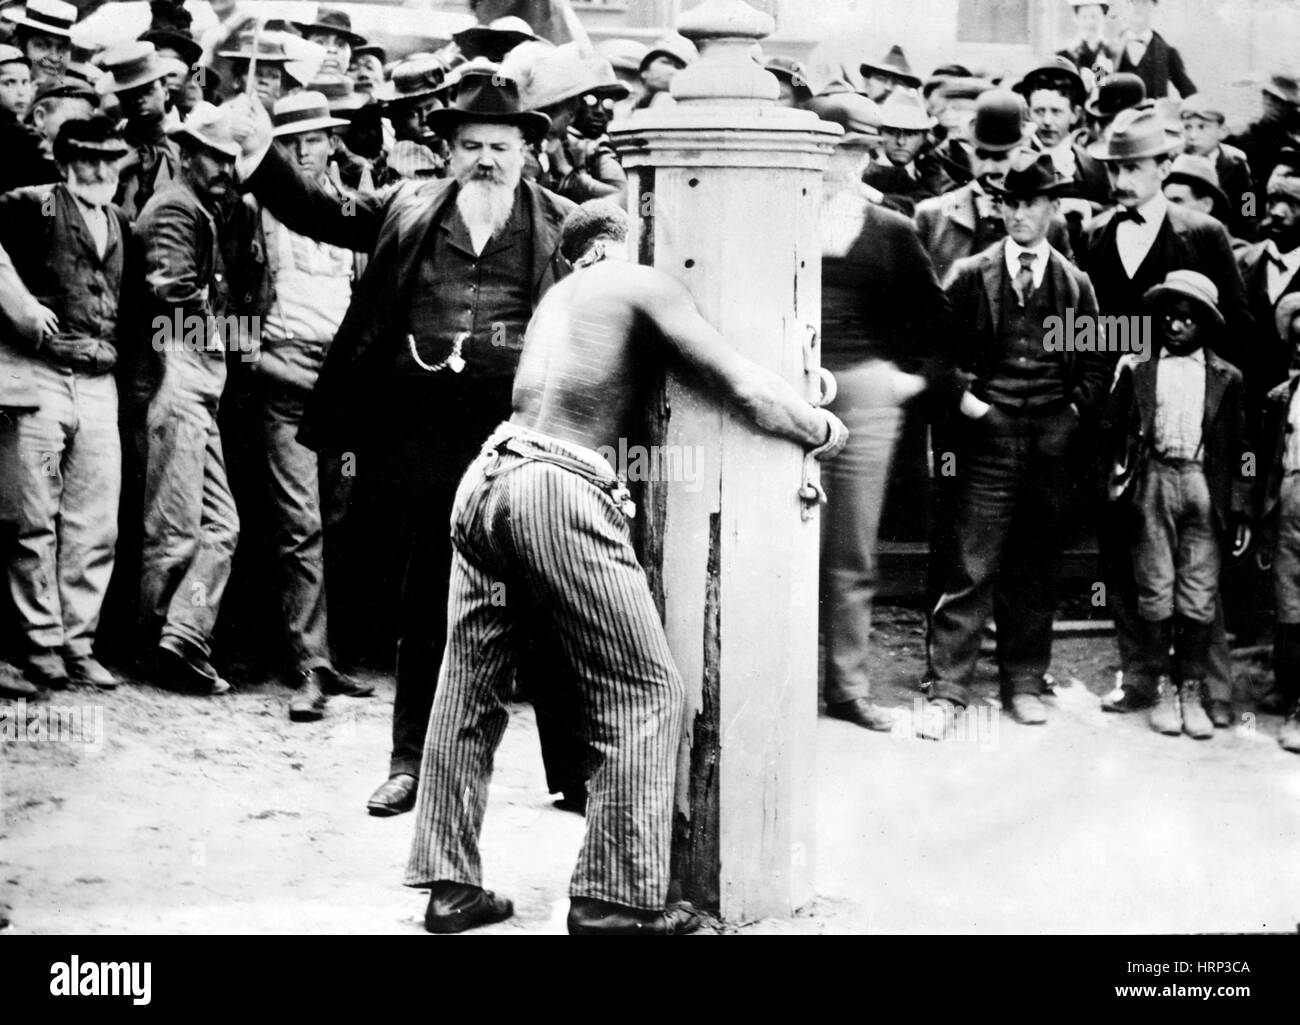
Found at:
<point>603,102</point>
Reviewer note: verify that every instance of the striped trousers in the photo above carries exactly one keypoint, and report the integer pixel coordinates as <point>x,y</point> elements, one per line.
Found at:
<point>529,534</point>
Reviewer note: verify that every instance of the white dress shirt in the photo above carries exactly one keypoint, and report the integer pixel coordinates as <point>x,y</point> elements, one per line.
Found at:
<point>96,219</point>
<point>1280,277</point>
<point>1137,47</point>
<point>1291,453</point>
<point>1180,404</point>
<point>1063,158</point>
<point>1135,240</point>
<point>1039,267</point>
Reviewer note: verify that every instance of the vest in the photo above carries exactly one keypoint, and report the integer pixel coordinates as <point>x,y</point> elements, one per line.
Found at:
<point>1027,376</point>
<point>485,300</point>
<point>1118,295</point>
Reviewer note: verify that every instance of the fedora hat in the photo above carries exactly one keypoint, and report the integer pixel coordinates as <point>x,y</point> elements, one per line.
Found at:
<point>1116,92</point>
<point>185,48</point>
<point>999,122</point>
<point>1030,174</point>
<point>624,54</point>
<point>1134,135</point>
<point>558,75</point>
<point>53,17</point>
<point>53,88</point>
<point>855,113</point>
<point>1199,173</point>
<point>489,98</point>
<point>1187,284</point>
<point>495,39</point>
<point>12,55</point>
<point>902,109</point>
<point>672,45</point>
<point>1054,73</point>
<point>93,138</point>
<point>207,126</point>
<point>607,79</point>
<point>306,111</point>
<point>1287,310</point>
<point>330,20</point>
<point>893,65</point>
<point>134,64</point>
<point>413,79</point>
<point>340,94</point>
<point>270,48</point>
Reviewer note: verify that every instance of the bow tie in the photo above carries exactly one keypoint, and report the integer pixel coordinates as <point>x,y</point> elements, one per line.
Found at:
<point>1130,214</point>
<point>1275,259</point>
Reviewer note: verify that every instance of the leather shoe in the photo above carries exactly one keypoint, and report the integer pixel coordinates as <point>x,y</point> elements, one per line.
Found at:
<point>332,682</point>
<point>47,669</point>
<point>589,917</point>
<point>1167,714</point>
<point>394,796</point>
<point>864,713</point>
<point>86,669</point>
<point>1289,735</point>
<point>455,907</point>
<point>573,798</point>
<point>308,704</point>
<point>182,666</point>
<point>1196,724</point>
<point>1027,709</point>
<point>14,686</point>
<point>1126,699</point>
<point>1220,713</point>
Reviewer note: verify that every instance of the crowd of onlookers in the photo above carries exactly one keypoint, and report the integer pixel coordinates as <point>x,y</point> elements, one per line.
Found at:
<point>966,212</point>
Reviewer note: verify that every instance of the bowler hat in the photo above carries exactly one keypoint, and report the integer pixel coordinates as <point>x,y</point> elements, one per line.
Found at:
<point>1199,173</point>
<point>902,109</point>
<point>1030,174</point>
<point>306,111</point>
<point>893,65</point>
<point>1133,135</point>
<point>490,98</point>
<point>999,123</point>
<point>1117,92</point>
<point>495,39</point>
<point>53,17</point>
<point>207,126</point>
<point>1054,73</point>
<point>134,64</point>
<point>330,20</point>
<point>94,138</point>
<point>179,43</point>
<point>1187,284</point>
<point>672,45</point>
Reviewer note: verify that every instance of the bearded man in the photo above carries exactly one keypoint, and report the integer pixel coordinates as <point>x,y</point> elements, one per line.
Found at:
<point>421,367</point>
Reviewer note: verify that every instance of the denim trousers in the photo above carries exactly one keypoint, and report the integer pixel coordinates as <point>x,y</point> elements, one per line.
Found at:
<point>62,469</point>
<point>855,482</point>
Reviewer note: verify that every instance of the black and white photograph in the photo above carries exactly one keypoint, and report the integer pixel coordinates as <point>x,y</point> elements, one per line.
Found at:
<point>651,467</point>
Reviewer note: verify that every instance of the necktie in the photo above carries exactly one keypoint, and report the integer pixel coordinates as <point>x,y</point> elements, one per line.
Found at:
<point>1024,283</point>
<point>1130,214</point>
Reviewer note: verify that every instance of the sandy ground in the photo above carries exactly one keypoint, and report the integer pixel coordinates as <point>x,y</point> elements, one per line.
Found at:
<point>220,816</point>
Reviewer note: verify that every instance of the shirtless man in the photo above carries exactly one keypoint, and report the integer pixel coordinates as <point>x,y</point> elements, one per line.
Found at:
<point>542,513</point>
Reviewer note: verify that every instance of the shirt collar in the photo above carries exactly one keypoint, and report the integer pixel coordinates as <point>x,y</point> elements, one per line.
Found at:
<point>1014,249</point>
<point>1196,357</point>
<point>1291,259</point>
<point>1154,209</point>
<point>1144,38</point>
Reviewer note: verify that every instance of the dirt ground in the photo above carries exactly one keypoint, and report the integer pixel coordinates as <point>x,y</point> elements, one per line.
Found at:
<point>220,816</point>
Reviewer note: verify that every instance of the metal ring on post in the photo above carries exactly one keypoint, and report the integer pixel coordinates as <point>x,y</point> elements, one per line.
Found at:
<point>828,388</point>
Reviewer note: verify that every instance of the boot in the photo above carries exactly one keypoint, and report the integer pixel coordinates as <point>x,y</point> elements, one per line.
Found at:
<point>1289,735</point>
<point>1166,717</point>
<point>1196,723</point>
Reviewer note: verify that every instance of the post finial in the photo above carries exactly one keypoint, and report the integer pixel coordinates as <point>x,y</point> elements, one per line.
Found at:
<point>727,34</point>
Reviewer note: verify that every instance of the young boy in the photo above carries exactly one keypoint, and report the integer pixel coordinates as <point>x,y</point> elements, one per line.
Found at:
<point>1204,129</point>
<point>1179,419</point>
<point>1280,439</point>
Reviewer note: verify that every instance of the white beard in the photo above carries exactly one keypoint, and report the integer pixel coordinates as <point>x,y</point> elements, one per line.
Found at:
<point>98,195</point>
<point>485,207</point>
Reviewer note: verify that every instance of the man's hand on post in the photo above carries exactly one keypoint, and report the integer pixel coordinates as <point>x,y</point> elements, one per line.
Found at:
<point>837,436</point>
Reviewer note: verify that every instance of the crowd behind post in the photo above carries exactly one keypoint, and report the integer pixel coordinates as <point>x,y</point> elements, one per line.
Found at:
<point>1077,278</point>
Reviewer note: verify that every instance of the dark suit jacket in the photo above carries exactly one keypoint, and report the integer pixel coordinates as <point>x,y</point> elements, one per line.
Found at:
<point>1129,424</point>
<point>975,290</point>
<point>391,226</point>
<point>1269,358</point>
<point>1192,241</point>
<point>1160,65</point>
<point>947,223</point>
<point>1272,444</point>
<point>902,192</point>
<point>1236,181</point>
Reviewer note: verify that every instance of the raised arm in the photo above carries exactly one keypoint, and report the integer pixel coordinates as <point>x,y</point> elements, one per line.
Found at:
<point>766,399</point>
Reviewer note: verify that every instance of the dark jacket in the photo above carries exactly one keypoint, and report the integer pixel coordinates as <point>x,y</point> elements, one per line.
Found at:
<point>880,297</point>
<point>1189,240</point>
<point>946,225</point>
<point>349,398</point>
<point>1272,444</point>
<point>1233,169</point>
<point>1129,426</point>
<point>1269,358</point>
<point>22,161</point>
<point>901,191</point>
<point>1161,64</point>
<point>975,290</point>
<point>596,174</point>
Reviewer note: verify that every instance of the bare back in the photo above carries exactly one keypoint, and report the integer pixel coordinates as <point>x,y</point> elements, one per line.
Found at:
<point>584,365</point>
